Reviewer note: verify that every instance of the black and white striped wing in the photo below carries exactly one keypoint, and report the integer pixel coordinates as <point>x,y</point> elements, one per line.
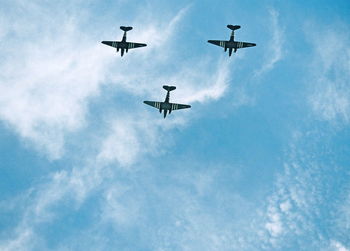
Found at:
<point>244,45</point>
<point>178,106</point>
<point>220,43</point>
<point>155,104</point>
<point>135,45</point>
<point>111,43</point>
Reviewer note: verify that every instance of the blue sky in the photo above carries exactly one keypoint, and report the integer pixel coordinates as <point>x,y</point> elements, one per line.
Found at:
<point>260,162</point>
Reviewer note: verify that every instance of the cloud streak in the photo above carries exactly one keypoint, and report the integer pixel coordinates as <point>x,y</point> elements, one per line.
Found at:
<point>274,52</point>
<point>329,96</point>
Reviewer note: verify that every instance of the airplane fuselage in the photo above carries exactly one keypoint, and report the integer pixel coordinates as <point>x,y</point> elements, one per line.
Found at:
<point>166,106</point>
<point>232,44</point>
<point>122,45</point>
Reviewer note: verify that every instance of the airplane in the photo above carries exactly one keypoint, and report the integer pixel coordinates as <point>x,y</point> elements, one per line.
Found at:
<point>166,105</point>
<point>231,44</point>
<point>123,45</point>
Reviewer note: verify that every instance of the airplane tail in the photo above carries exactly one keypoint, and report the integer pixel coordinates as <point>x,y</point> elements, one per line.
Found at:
<point>126,28</point>
<point>233,27</point>
<point>169,88</point>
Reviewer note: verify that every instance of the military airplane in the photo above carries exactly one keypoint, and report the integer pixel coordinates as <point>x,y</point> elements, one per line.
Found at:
<point>123,45</point>
<point>166,105</point>
<point>231,44</point>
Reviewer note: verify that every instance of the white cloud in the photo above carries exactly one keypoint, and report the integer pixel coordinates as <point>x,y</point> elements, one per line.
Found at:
<point>274,225</point>
<point>274,52</point>
<point>295,208</point>
<point>24,241</point>
<point>337,246</point>
<point>330,73</point>
<point>47,81</point>
<point>49,77</point>
<point>129,139</point>
<point>120,207</point>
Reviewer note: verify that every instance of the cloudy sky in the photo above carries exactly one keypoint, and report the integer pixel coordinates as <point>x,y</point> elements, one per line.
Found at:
<point>260,162</point>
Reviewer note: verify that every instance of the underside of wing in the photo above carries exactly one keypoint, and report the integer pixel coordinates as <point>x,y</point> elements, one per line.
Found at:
<point>111,43</point>
<point>179,106</point>
<point>132,45</point>
<point>220,43</point>
<point>155,104</point>
<point>244,45</point>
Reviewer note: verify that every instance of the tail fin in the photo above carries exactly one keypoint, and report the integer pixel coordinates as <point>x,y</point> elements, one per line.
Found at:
<point>169,88</point>
<point>126,28</point>
<point>233,27</point>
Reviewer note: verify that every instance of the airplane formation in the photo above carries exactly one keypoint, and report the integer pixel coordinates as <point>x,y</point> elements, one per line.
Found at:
<point>166,106</point>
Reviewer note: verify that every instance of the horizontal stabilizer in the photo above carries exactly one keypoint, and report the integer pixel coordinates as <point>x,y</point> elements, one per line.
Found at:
<point>126,28</point>
<point>233,27</point>
<point>169,88</point>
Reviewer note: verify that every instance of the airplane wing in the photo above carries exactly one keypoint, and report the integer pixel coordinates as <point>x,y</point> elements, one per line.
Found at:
<point>244,45</point>
<point>220,43</point>
<point>155,104</point>
<point>111,43</point>
<point>130,45</point>
<point>135,45</point>
<point>179,106</point>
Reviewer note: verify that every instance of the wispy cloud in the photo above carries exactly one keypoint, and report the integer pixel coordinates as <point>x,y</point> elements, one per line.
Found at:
<point>48,79</point>
<point>338,246</point>
<point>304,206</point>
<point>274,52</point>
<point>330,73</point>
<point>189,221</point>
<point>47,83</point>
